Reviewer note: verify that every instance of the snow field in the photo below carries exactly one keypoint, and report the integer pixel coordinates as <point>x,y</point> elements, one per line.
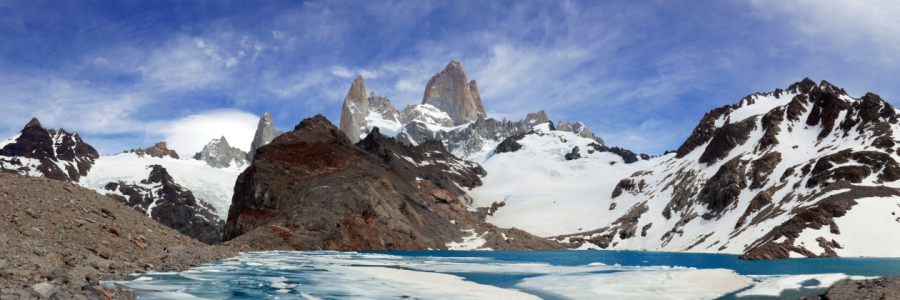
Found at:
<point>547,195</point>
<point>869,229</point>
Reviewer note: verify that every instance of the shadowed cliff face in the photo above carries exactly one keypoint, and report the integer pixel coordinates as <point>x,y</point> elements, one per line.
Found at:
<point>312,189</point>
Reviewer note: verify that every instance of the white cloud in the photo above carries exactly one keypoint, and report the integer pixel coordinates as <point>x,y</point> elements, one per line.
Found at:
<point>866,28</point>
<point>341,72</point>
<point>185,64</point>
<point>188,135</point>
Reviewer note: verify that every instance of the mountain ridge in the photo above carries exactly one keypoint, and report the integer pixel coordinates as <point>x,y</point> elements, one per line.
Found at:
<point>776,167</point>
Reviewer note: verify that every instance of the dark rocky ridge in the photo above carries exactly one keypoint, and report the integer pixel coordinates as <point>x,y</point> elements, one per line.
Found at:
<point>428,161</point>
<point>721,191</point>
<point>172,205</point>
<point>510,144</point>
<point>312,189</point>
<point>627,155</point>
<point>726,138</point>
<point>38,150</point>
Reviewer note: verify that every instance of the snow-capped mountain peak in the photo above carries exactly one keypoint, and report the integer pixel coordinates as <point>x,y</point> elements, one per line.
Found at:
<point>36,151</point>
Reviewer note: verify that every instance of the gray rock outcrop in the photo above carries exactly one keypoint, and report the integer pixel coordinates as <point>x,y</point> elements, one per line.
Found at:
<point>219,154</point>
<point>383,106</point>
<point>265,133</point>
<point>538,117</point>
<point>355,110</point>
<point>450,91</point>
<point>579,129</point>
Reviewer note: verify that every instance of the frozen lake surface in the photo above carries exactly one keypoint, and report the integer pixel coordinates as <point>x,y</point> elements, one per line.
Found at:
<point>503,275</point>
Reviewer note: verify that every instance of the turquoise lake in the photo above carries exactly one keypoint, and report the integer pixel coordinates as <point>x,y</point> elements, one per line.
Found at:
<point>503,275</point>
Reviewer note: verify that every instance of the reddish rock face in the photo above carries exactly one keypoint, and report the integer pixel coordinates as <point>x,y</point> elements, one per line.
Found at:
<point>158,150</point>
<point>312,189</point>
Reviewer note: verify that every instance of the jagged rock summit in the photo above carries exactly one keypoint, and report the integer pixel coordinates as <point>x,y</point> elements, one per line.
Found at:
<point>450,91</point>
<point>158,150</point>
<point>451,111</point>
<point>312,189</point>
<point>265,133</point>
<point>355,110</point>
<point>36,151</point>
<point>219,154</point>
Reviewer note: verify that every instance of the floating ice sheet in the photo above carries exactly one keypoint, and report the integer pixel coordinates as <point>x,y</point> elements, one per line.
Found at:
<point>352,275</point>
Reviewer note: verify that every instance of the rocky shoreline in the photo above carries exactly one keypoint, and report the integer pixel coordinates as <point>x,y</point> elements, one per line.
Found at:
<point>59,240</point>
<point>880,288</point>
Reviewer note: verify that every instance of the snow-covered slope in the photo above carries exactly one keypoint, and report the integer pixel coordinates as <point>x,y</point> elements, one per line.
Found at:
<point>803,172</point>
<point>547,195</point>
<point>212,185</point>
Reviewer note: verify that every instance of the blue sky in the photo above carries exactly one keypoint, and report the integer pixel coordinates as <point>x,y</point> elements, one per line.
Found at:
<point>640,74</point>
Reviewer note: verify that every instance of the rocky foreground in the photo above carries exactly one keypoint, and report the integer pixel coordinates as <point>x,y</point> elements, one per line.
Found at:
<point>58,240</point>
